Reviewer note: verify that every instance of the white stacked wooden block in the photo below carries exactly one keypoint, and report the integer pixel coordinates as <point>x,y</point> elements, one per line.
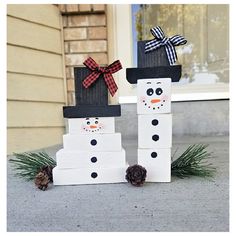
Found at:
<point>155,128</point>
<point>92,153</point>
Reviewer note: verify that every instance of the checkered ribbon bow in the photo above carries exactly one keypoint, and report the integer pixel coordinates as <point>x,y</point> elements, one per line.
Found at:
<point>169,43</point>
<point>106,71</point>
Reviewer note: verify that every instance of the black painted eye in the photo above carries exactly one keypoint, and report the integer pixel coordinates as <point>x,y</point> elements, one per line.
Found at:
<point>96,122</point>
<point>150,92</point>
<point>88,123</point>
<point>159,91</point>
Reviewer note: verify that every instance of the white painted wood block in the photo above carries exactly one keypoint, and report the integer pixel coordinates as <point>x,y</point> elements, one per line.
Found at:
<point>157,162</point>
<point>155,131</point>
<point>154,96</point>
<point>88,175</point>
<point>79,159</point>
<point>91,125</point>
<point>93,142</point>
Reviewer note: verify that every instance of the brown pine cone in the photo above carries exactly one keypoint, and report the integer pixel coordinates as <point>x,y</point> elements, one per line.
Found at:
<point>136,175</point>
<point>42,180</point>
<point>47,170</point>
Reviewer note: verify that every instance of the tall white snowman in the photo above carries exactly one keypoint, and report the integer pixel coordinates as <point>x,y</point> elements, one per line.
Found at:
<point>155,72</point>
<point>155,128</point>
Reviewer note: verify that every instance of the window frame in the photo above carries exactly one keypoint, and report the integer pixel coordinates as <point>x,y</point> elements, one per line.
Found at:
<point>120,40</point>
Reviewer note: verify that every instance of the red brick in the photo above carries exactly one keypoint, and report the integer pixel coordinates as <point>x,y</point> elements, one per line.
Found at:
<point>81,20</point>
<point>85,7</point>
<point>69,72</point>
<point>97,20</point>
<point>75,59</point>
<point>75,33</point>
<point>70,85</point>
<point>64,21</point>
<point>72,8</point>
<point>98,7</point>
<point>97,32</point>
<point>71,98</point>
<point>100,58</point>
<point>66,47</point>
<point>62,7</point>
<point>88,46</point>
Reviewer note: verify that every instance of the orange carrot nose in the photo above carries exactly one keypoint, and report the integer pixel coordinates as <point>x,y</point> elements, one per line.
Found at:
<point>93,126</point>
<point>155,100</point>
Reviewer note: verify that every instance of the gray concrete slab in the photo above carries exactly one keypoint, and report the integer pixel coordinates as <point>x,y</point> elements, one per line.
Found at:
<point>192,204</point>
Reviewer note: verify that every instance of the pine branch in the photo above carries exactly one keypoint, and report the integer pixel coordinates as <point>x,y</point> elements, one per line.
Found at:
<point>193,162</point>
<point>28,164</point>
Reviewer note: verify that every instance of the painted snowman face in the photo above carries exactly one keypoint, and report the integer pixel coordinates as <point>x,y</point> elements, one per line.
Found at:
<point>154,96</point>
<point>91,125</point>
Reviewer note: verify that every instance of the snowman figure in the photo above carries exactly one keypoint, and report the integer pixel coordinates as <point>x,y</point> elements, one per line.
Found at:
<point>155,127</point>
<point>157,69</point>
<point>92,151</point>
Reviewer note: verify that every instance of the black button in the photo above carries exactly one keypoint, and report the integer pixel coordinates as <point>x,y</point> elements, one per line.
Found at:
<point>93,142</point>
<point>94,159</point>
<point>155,137</point>
<point>153,154</point>
<point>94,175</point>
<point>155,122</point>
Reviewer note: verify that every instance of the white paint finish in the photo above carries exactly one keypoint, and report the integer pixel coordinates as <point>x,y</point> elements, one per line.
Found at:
<point>158,168</point>
<point>146,131</point>
<point>80,159</point>
<point>83,175</point>
<point>154,96</point>
<point>91,125</point>
<point>82,142</point>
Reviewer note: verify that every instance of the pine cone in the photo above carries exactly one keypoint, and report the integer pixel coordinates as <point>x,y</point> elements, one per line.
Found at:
<point>47,170</point>
<point>42,180</point>
<point>136,175</point>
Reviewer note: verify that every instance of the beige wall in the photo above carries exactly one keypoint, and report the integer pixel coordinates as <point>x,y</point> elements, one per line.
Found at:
<point>35,77</point>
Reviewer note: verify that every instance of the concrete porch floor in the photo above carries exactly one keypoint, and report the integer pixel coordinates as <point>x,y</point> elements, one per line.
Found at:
<point>193,204</point>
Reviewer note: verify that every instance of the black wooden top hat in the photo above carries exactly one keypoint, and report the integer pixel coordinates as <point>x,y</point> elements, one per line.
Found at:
<point>155,63</point>
<point>91,101</point>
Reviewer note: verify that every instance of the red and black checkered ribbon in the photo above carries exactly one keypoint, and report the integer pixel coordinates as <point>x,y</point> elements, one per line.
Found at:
<point>106,71</point>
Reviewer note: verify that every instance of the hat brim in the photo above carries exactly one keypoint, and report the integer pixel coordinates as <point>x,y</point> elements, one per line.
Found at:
<point>83,111</point>
<point>173,72</point>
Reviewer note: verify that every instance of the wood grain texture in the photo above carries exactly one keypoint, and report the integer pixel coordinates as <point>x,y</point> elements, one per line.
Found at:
<point>96,94</point>
<point>151,59</point>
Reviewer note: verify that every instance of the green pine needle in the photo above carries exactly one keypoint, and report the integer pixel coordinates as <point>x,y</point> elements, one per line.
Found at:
<point>28,164</point>
<point>193,162</point>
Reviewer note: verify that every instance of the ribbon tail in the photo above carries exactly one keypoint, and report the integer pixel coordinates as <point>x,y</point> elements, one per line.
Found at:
<point>111,84</point>
<point>178,40</point>
<point>91,78</point>
<point>171,53</point>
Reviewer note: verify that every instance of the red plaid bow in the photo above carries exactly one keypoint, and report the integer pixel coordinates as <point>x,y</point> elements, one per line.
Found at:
<point>106,71</point>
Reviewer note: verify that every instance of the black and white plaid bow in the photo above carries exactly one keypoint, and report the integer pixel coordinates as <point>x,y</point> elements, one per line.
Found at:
<point>169,43</point>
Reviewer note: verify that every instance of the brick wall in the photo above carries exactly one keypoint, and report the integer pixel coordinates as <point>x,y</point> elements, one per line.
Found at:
<point>85,34</point>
